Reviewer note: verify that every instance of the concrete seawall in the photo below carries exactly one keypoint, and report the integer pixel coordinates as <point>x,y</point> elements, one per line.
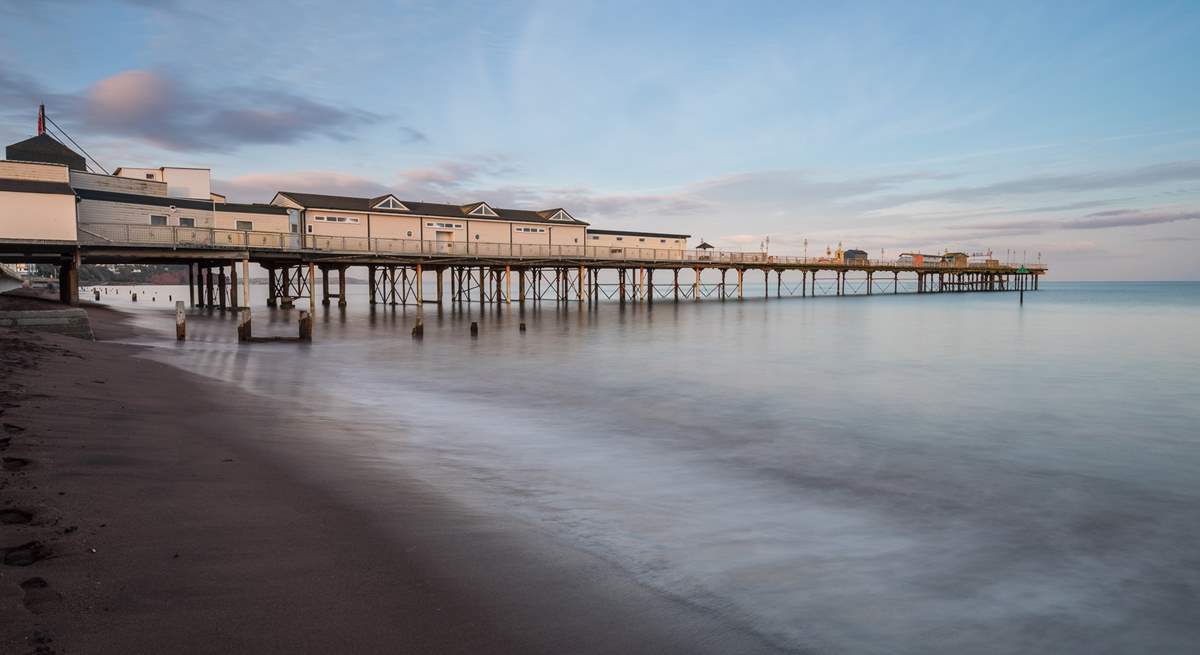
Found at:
<point>69,321</point>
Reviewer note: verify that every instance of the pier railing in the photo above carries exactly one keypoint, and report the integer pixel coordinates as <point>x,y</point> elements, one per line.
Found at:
<point>121,234</point>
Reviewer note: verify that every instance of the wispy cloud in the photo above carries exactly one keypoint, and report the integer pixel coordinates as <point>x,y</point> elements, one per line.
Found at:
<point>155,108</point>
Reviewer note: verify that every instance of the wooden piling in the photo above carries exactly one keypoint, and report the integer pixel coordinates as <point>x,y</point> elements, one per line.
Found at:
<point>243,329</point>
<point>180,321</point>
<point>246,282</point>
<point>306,321</point>
<point>325,286</point>
<point>474,329</point>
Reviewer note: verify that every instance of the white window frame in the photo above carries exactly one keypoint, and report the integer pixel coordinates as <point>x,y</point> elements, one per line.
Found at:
<point>393,202</point>
<point>187,218</point>
<point>484,210</point>
<point>562,215</point>
<point>237,225</point>
<point>162,216</point>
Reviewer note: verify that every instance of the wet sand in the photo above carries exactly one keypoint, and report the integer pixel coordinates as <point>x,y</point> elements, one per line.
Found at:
<point>164,512</point>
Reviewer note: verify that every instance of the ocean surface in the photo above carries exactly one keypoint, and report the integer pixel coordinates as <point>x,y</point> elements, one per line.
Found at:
<point>954,473</point>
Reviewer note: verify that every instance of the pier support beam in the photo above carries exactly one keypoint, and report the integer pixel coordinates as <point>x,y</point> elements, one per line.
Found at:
<point>696,285</point>
<point>233,286</point>
<point>191,284</point>
<point>341,286</point>
<point>741,273</point>
<point>221,288</point>
<point>208,287</point>
<point>272,287</point>
<point>371,284</point>
<point>325,286</point>
<point>68,280</point>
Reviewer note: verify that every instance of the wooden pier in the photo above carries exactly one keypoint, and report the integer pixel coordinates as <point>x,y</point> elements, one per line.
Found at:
<point>401,273</point>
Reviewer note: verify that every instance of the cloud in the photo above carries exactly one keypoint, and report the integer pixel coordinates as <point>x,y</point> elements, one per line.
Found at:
<point>1069,182</point>
<point>261,187</point>
<point>154,108</point>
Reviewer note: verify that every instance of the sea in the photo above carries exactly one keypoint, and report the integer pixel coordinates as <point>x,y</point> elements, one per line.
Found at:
<point>966,473</point>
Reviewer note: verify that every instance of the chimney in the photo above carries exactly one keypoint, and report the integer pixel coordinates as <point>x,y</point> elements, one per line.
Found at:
<point>41,119</point>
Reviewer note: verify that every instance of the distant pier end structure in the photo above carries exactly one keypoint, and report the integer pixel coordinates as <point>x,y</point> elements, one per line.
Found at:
<point>55,209</point>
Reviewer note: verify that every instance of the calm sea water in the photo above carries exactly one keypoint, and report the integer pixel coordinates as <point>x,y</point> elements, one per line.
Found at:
<point>933,474</point>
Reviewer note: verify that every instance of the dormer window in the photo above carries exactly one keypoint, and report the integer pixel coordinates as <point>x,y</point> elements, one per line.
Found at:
<point>483,210</point>
<point>557,215</point>
<point>390,202</point>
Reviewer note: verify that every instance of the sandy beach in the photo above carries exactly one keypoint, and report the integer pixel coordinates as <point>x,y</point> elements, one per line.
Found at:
<point>149,510</point>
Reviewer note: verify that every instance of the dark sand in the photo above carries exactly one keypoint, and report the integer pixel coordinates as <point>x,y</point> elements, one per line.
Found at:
<point>173,514</point>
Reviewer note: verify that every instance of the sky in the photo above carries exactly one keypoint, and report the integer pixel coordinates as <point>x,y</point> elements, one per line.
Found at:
<point>1067,131</point>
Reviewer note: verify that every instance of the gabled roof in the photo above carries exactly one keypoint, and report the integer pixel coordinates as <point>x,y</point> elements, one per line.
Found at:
<point>388,201</point>
<point>479,209</point>
<point>556,214</point>
<point>356,204</point>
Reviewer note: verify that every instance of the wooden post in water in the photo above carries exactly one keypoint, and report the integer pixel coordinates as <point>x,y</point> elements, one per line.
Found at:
<point>325,286</point>
<point>419,284</point>
<point>243,329</point>
<point>766,283</point>
<point>722,294</point>
<point>621,284</point>
<point>696,285</point>
<point>649,285</point>
<point>371,283</point>
<point>180,322</point>
<point>741,272</point>
<point>306,321</point>
<point>221,286</point>
<point>676,283</point>
<point>779,283</point>
<point>521,286</point>
<point>578,283</point>
<point>439,284</point>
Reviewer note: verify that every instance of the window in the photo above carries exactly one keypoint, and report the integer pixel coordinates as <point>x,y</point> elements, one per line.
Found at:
<point>595,238</point>
<point>158,220</point>
<point>187,222</point>
<point>446,226</point>
<point>662,240</point>
<point>245,225</point>
<point>530,230</point>
<point>335,219</point>
<point>620,238</point>
<point>310,229</point>
<point>410,233</point>
<point>483,210</point>
<point>476,237</point>
<point>149,176</point>
<point>561,215</point>
<point>295,228</point>
<point>641,239</point>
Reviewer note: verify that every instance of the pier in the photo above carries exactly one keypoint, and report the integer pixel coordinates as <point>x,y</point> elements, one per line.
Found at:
<point>400,271</point>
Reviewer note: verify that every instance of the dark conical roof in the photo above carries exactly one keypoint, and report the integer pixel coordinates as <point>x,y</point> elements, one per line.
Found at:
<point>46,149</point>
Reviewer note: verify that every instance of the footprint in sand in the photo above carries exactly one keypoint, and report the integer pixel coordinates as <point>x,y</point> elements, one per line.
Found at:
<point>39,597</point>
<point>16,463</point>
<point>13,429</point>
<point>15,517</point>
<point>25,554</point>
<point>5,443</point>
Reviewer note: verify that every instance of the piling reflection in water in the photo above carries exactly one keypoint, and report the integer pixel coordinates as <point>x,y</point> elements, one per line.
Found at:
<point>897,474</point>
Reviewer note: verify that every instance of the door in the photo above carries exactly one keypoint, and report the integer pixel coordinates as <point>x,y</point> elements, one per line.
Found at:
<point>445,241</point>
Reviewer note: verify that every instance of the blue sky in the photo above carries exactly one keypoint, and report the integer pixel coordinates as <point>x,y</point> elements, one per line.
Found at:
<point>1068,129</point>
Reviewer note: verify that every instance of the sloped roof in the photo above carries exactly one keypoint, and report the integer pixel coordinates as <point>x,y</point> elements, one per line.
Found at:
<point>47,150</point>
<point>353,203</point>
